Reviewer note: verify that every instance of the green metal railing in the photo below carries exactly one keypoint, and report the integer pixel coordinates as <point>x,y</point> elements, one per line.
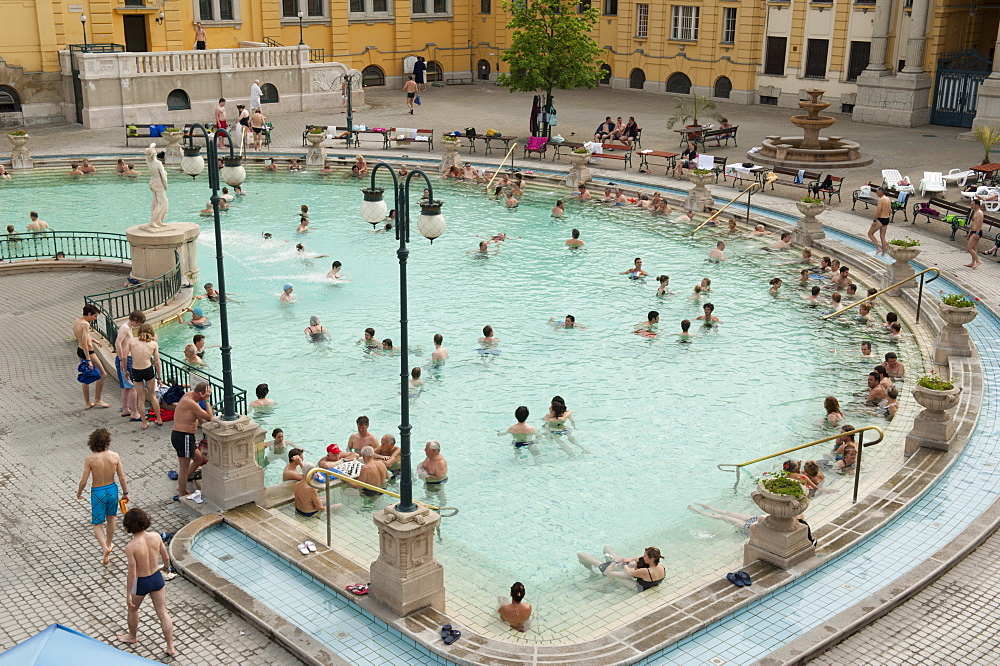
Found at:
<point>176,371</point>
<point>73,244</point>
<point>145,296</point>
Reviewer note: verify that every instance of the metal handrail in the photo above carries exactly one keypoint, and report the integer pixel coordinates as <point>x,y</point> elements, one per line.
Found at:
<point>756,186</point>
<point>327,473</point>
<point>148,295</point>
<point>736,467</point>
<point>920,294</point>
<point>46,244</point>
<point>497,172</point>
<point>175,369</point>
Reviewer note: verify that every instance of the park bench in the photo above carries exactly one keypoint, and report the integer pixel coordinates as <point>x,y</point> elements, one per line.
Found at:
<point>557,147</point>
<point>944,207</point>
<point>720,166</point>
<point>836,182</point>
<point>459,81</point>
<point>139,131</point>
<point>720,134</point>
<point>810,179</point>
<point>421,136</point>
<point>624,156</point>
<point>897,200</point>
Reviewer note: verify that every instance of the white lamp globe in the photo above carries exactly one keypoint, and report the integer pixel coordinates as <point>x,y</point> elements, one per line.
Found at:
<point>431,222</point>
<point>192,163</point>
<point>373,208</point>
<point>233,172</point>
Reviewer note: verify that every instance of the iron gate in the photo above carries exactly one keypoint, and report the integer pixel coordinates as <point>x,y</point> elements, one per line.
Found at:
<point>957,87</point>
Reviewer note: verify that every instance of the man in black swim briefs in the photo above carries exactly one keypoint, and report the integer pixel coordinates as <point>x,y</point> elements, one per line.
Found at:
<point>883,215</point>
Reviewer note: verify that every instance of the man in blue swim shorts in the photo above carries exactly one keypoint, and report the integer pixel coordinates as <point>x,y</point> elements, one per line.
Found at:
<point>101,466</point>
<point>144,577</point>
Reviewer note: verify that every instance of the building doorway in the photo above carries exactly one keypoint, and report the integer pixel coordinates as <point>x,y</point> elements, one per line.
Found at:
<point>135,32</point>
<point>956,88</point>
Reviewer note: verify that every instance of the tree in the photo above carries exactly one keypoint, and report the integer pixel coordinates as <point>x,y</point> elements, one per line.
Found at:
<point>551,48</point>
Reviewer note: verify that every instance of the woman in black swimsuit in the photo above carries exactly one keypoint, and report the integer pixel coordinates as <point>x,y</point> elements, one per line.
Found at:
<point>644,571</point>
<point>315,331</point>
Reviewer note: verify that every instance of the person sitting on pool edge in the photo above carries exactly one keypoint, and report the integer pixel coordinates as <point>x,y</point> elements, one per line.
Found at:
<point>647,572</point>
<point>295,470</point>
<point>515,614</point>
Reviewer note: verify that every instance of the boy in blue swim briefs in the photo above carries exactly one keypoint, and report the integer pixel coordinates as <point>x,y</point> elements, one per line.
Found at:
<point>100,467</point>
<point>144,578</point>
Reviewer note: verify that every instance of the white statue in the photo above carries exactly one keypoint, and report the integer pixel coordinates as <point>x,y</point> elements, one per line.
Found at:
<point>158,185</point>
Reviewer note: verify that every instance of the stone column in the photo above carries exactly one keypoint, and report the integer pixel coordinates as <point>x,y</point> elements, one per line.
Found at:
<point>406,577</point>
<point>880,37</point>
<point>232,477</point>
<point>153,251</point>
<point>917,38</point>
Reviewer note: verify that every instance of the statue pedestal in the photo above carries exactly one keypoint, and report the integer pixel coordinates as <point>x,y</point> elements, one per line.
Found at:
<point>406,577</point>
<point>153,251</point>
<point>232,477</point>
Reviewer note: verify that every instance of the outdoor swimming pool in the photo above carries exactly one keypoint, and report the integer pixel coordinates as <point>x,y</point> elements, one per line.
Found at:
<point>657,416</point>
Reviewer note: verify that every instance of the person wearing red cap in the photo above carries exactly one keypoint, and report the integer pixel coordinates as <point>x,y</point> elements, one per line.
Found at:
<point>335,455</point>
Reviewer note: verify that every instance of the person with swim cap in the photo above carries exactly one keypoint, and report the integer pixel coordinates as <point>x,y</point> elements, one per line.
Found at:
<point>198,318</point>
<point>523,435</point>
<point>286,295</point>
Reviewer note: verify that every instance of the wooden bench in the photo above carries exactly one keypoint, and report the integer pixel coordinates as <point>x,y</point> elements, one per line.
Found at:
<point>720,167</point>
<point>423,136</point>
<point>459,81</point>
<point>894,202</point>
<point>624,156</point>
<point>557,146</point>
<point>721,134</point>
<point>945,207</point>
<point>810,179</point>
<point>137,131</point>
<point>836,182</point>
<point>340,130</point>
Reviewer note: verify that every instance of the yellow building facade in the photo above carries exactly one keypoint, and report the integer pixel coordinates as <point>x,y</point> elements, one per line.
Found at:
<point>747,52</point>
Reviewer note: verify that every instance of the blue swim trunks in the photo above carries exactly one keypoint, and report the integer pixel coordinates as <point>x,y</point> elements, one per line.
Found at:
<point>122,379</point>
<point>103,503</point>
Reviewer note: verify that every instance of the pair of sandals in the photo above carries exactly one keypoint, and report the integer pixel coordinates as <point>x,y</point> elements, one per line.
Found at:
<point>358,590</point>
<point>306,547</point>
<point>449,635</point>
<point>739,579</point>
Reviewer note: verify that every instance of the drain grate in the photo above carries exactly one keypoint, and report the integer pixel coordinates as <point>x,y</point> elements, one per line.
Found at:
<point>929,136</point>
<point>342,635</point>
<point>225,558</point>
<point>718,661</point>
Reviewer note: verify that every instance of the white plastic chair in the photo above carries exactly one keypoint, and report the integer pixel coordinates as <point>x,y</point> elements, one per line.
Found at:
<point>932,182</point>
<point>981,192</point>
<point>959,176</point>
<point>892,177</point>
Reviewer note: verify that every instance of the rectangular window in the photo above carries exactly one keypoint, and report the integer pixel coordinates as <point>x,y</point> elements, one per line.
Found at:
<point>205,10</point>
<point>315,7</point>
<point>642,20</point>
<point>484,7</point>
<point>418,7</point>
<point>858,61</point>
<point>583,6</point>
<point>816,50</point>
<point>774,62</point>
<point>440,6</point>
<point>358,6</point>
<point>611,7</point>
<point>728,25</point>
<point>226,10</point>
<point>684,24</point>
<point>380,6</point>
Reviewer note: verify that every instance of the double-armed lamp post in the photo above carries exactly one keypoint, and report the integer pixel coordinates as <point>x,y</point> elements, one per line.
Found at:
<point>234,174</point>
<point>431,224</point>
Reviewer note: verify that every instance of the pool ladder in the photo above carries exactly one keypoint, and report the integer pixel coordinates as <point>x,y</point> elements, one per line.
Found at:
<point>860,432</point>
<point>329,474</point>
<point>754,187</point>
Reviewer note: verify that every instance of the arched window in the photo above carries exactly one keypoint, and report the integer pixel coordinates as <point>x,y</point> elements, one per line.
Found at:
<point>10,101</point>
<point>178,100</point>
<point>434,71</point>
<point>637,79</point>
<point>483,70</point>
<point>605,79</point>
<point>268,94</point>
<point>679,83</point>
<point>723,86</point>
<point>372,75</point>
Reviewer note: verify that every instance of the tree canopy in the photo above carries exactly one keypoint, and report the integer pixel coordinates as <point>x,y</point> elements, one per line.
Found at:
<point>551,47</point>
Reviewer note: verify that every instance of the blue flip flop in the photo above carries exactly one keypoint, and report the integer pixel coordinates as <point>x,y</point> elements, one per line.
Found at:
<point>735,579</point>
<point>177,498</point>
<point>172,475</point>
<point>455,635</point>
<point>744,578</point>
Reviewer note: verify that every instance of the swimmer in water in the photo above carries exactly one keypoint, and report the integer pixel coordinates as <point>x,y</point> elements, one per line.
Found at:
<point>557,429</point>
<point>685,335</point>
<point>198,318</point>
<point>387,346</point>
<point>864,310</point>
<point>648,326</point>
<point>483,251</point>
<point>574,242</point>
<point>440,353</point>
<point>415,381</point>
<point>315,331</point>
<point>334,272</point>
<point>488,341</point>
<point>706,285</point>
<point>709,318</point>
<point>717,255</point>
<point>194,352</point>
<point>568,322</point>
<point>775,286</point>
<point>286,293</point>
<point>368,340</point>
<point>522,434</point>
<point>582,192</point>
<point>664,288</point>
<point>558,210</point>
<point>697,293</point>
<point>636,271</point>
<point>813,298</point>
<point>303,220</point>
<point>511,202</point>
<point>210,293</point>
<point>804,276</point>
<point>301,249</point>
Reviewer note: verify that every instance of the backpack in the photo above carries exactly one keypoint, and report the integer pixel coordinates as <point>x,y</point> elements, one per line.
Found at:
<point>470,131</point>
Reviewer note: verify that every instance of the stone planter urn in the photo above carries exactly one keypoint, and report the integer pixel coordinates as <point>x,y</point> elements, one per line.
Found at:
<point>809,229</point>
<point>580,172</point>
<point>699,198</point>
<point>20,158</point>
<point>173,150</point>
<point>316,152</point>
<point>953,339</point>
<point>779,538</point>
<point>900,269</point>
<point>450,157</point>
<point>933,427</point>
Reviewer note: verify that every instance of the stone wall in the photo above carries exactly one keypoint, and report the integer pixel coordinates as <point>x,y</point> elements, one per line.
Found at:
<point>40,93</point>
<point>125,88</point>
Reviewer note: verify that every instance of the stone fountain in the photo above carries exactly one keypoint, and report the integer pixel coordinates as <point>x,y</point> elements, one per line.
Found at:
<point>811,151</point>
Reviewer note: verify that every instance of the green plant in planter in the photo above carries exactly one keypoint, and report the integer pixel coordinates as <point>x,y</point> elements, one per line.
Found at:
<point>907,242</point>
<point>811,200</point>
<point>172,130</point>
<point>693,108</point>
<point>935,383</point>
<point>18,133</point>
<point>779,484</point>
<point>452,139</point>
<point>701,172</point>
<point>959,301</point>
<point>317,130</point>
<point>581,151</point>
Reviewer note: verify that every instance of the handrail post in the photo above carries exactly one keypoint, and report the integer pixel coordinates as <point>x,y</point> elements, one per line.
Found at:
<point>328,512</point>
<point>857,466</point>
<point>920,292</point>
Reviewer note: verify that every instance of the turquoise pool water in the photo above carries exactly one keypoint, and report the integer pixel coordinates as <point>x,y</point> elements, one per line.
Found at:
<point>657,416</point>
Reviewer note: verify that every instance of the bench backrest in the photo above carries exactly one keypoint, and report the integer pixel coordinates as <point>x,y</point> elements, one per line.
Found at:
<point>788,171</point>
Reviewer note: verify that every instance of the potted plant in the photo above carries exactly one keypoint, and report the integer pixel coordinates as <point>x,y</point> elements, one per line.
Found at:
<point>782,498</point>
<point>451,143</point>
<point>904,249</point>
<point>936,394</point>
<point>958,309</point>
<point>579,157</point>
<point>692,109</point>
<point>20,139</point>
<point>173,135</point>
<point>987,138</point>
<point>316,135</point>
